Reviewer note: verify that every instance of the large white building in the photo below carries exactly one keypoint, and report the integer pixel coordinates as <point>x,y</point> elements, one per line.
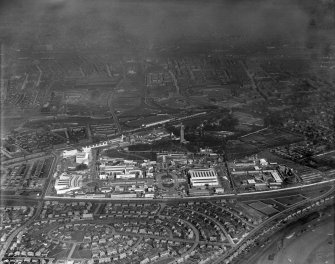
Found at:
<point>82,157</point>
<point>66,183</point>
<point>203,177</point>
<point>124,171</point>
<point>69,153</point>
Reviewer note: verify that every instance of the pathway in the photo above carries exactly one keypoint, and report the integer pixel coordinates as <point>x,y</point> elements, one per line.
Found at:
<point>72,250</point>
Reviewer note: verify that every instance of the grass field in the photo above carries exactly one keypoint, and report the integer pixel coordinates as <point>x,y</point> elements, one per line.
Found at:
<point>130,155</point>
<point>275,204</point>
<point>81,253</point>
<point>78,235</point>
<point>59,252</point>
<point>270,138</point>
<point>290,200</point>
<point>264,208</point>
<point>5,202</point>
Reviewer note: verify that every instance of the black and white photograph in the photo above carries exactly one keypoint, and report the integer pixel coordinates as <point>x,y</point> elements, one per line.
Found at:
<point>167,131</point>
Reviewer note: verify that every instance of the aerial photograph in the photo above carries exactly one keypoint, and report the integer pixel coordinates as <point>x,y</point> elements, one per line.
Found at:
<point>167,131</point>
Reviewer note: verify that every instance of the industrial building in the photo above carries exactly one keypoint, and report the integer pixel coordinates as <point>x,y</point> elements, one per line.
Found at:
<point>124,171</point>
<point>203,177</point>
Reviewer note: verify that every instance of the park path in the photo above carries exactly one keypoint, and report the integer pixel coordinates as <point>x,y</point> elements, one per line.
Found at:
<point>69,256</point>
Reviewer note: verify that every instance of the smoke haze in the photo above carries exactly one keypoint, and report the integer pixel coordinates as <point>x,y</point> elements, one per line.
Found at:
<point>70,21</point>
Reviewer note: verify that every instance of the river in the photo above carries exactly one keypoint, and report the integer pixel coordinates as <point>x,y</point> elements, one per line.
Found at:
<point>312,243</point>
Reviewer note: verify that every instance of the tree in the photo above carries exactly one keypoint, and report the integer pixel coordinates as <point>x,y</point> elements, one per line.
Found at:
<point>273,119</point>
<point>81,166</point>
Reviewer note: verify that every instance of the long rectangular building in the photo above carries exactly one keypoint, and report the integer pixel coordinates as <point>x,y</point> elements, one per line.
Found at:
<point>203,177</point>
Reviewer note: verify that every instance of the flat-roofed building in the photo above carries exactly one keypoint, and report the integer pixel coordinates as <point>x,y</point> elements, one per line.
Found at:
<point>69,153</point>
<point>203,177</point>
<point>123,171</point>
<point>244,163</point>
<point>276,176</point>
<point>82,157</point>
<point>67,183</point>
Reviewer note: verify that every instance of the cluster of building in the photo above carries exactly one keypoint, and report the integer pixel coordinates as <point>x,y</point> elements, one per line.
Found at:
<point>96,242</point>
<point>11,218</point>
<point>202,254</point>
<point>69,174</point>
<point>26,175</point>
<point>92,68</point>
<point>143,210</point>
<point>218,76</point>
<point>81,157</point>
<point>22,91</point>
<point>38,70</point>
<point>35,141</point>
<point>68,183</point>
<point>186,232</point>
<point>119,169</point>
<point>295,151</point>
<point>101,240</point>
<point>71,132</point>
<point>161,83</point>
<point>149,137</point>
<point>105,130</point>
<point>204,69</point>
<point>126,176</point>
<point>199,169</point>
<point>215,76</point>
<point>320,135</point>
<point>310,175</point>
<point>28,248</point>
<point>192,174</point>
<point>155,79</point>
<point>53,212</point>
<point>78,134</point>
<point>215,222</point>
<point>255,174</point>
<point>9,151</point>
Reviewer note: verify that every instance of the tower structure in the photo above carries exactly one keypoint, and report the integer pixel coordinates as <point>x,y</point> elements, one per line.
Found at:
<point>182,133</point>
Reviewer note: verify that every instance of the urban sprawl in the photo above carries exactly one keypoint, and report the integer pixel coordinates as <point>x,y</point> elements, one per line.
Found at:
<point>177,151</point>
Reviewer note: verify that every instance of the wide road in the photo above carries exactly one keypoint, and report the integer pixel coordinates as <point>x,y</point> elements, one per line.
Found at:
<point>315,187</point>
<point>318,187</point>
<point>50,175</point>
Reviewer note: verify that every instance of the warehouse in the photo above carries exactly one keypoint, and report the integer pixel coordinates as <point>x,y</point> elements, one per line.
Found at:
<point>203,177</point>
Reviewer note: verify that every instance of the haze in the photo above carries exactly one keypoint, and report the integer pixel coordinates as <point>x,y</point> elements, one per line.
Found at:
<point>149,22</point>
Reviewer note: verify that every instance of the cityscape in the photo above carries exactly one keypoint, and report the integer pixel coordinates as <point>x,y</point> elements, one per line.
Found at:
<point>167,132</point>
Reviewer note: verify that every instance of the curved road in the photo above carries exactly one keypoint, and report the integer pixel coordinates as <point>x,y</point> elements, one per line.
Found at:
<point>255,195</point>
